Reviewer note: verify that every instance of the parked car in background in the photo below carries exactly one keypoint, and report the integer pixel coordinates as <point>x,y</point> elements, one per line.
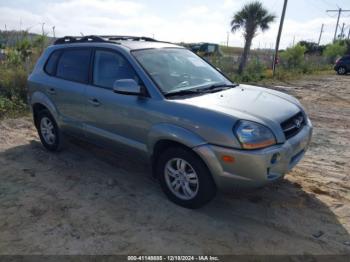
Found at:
<point>200,131</point>
<point>342,65</point>
<point>205,49</point>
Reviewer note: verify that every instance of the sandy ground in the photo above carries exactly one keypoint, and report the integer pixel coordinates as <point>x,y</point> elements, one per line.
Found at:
<point>85,200</point>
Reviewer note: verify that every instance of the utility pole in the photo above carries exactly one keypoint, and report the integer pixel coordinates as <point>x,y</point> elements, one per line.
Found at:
<point>319,39</point>
<point>6,35</point>
<point>42,29</point>
<point>228,38</point>
<point>53,32</point>
<point>279,37</point>
<point>339,14</point>
<point>43,36</point>
<point>342,31</point>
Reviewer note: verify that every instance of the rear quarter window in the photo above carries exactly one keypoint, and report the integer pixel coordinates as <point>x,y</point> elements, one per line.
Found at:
<point>50,66</point>
<point>73,65</point>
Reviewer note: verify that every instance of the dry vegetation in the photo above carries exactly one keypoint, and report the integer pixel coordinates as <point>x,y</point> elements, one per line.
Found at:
<point>85,200</point>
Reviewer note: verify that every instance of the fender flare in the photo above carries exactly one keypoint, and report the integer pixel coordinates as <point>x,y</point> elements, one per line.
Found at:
<point>172,133</point>
<point>41,98</point>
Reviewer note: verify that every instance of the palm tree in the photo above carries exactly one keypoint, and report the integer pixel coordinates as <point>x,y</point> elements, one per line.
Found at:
<point>250,18</point>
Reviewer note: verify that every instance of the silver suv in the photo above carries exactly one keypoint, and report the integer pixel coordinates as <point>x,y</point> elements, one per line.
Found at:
<point>200,131</point>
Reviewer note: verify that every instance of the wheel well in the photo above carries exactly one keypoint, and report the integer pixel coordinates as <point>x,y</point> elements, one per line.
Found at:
<point>161,146</point>
<point>36,109</point>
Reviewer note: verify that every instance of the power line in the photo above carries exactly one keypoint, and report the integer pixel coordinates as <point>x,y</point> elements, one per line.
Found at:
<point>332,16</point>
<point>339,14</point>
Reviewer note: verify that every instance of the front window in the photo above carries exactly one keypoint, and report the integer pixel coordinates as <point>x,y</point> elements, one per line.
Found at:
<point>109,67</point>
<point>176,69</point>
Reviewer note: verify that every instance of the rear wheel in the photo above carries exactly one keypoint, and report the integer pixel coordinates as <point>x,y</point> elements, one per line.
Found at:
<point>341,70</point>
<point>184,178</point>
<point>49,133</point>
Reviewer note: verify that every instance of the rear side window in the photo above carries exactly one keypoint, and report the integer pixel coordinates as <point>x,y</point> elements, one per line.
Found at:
<point>51,63</point>
<point>73,65</point>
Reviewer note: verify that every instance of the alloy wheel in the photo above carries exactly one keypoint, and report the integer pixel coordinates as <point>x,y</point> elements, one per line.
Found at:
<point>181,178</point>
<point>47,130</point>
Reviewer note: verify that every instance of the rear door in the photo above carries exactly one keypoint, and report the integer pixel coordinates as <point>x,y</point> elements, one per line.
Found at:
<point>68,87</point>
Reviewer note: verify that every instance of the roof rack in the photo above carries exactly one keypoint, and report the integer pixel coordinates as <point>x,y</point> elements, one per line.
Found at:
<point>125,37</point>
<point>102,38</point>
<point>78,39</point>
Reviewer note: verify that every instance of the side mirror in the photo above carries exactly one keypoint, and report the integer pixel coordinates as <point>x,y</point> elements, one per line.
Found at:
<point>126,87</point>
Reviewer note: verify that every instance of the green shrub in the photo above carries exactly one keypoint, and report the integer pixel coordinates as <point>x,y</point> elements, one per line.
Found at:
<point>293,57</point>
<point>24,48</point>
<point>312,47</point>
<point>13,58</point>
<point>333,51</point>
<point>11,107</point>
<point>20,59</point>
<point>13,81</point>
<point>254,72</point>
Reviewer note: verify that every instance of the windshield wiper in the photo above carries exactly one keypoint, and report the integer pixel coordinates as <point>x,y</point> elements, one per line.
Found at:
<point>183,92</point>
<point>218,87</point>
<point>211,88</point>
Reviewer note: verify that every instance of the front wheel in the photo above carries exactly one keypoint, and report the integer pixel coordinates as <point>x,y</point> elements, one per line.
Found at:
<point>184,178</point>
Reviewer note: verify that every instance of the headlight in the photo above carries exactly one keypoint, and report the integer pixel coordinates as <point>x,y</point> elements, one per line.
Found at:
<point>252,135</point>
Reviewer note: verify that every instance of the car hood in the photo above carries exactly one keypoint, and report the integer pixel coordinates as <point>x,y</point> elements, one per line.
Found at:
<point>249,102</point>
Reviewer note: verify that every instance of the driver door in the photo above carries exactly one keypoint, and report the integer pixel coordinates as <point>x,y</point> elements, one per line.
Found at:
<point>112,117</point>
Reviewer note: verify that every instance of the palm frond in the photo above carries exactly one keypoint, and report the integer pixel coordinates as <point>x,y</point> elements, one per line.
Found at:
<point>266,21</point>
<point>251,17</point>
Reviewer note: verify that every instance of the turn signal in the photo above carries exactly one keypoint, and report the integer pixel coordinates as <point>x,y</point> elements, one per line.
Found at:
<point>228,159</point>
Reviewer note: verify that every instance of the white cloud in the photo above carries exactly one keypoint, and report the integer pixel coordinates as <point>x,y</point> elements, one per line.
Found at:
<point>88,17</point>
<point>196,11</point>
<point>193,23</point>
<point>18,19</point>
<point>297,31</point>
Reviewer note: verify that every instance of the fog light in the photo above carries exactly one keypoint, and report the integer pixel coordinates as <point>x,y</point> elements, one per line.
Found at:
<point>275,158</point>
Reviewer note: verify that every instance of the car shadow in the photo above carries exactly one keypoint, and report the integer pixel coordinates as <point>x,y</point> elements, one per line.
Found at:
<point>84,180</point>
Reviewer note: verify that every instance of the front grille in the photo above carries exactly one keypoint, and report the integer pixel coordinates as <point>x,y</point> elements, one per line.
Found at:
<point>293,125</point>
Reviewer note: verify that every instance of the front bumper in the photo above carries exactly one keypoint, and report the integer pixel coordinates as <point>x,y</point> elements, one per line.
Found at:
<point>254,168</point>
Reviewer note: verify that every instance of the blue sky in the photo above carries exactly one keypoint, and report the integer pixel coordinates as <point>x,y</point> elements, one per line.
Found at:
<point>179,20</point>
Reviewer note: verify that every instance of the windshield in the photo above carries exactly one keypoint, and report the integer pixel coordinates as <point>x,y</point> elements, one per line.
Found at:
<point>177,69</point>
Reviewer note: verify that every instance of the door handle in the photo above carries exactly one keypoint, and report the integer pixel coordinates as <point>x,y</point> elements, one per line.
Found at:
<point>51,91</point>
<point>94,102</point>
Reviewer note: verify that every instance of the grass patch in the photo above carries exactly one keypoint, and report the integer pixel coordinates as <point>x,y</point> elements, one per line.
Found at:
<point>10,108</point>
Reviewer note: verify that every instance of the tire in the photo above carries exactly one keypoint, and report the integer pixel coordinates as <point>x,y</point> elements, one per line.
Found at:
<point>184,162</point>
<point>341,70</point>
<point>47,125</point>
